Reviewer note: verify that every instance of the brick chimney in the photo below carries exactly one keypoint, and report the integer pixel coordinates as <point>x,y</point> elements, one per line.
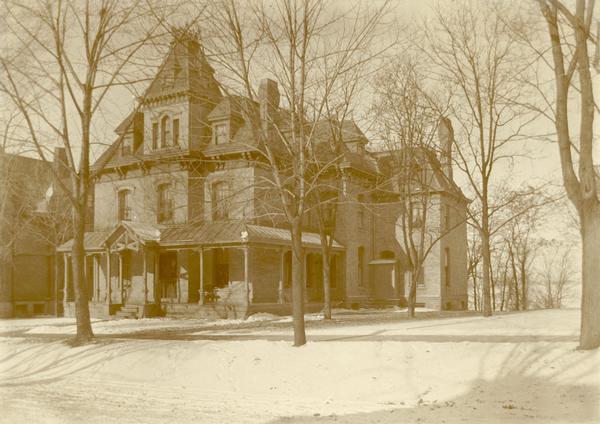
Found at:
<point>268,97</point>
<point>60,162</point>
<point>446,139</point>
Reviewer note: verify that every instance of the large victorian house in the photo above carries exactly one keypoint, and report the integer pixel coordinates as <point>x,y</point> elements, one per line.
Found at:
<point>182,225</point>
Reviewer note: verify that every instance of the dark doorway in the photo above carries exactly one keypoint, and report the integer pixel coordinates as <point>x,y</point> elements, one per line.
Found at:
<point>287,270</point>
<point>221,264</point>
<point>314,277</point>
<point>168,274</point>
<point>89,276</point>
<point>125,275</point>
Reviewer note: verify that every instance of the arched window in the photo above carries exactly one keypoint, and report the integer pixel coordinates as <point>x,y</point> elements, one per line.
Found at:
<point>165,131</point>
<point>154,135</point>
<point>124,205</point>
<point>175,132</point>
<point>165,203</point>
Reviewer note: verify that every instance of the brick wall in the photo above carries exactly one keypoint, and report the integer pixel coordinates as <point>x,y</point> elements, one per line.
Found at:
<point>144,201</point>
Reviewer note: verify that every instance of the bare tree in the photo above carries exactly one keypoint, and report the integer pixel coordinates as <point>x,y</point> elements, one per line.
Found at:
<point>408,120</point>
<point>473,266</point>
<point>306,49</point>
<point>477,60</point>
<point>61,62</point>
<point>555,279</point>
<point>569,38</point>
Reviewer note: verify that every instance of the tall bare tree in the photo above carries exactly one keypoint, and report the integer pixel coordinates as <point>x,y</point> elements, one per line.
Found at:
<point>556,277</point>
<point>570,39</point>
<point>60,63</point>
<point>410,124</point>
<point>306,49</point>
<point>478,61</point>
<point>473,267</point>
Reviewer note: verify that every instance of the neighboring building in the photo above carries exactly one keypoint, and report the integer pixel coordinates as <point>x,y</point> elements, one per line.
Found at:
<point>183,225</point>
<point>443,280</point>
<point>30,230</point>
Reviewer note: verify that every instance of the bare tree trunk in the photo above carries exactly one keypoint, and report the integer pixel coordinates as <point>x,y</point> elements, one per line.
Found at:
<point>487,293</point>
<point>297,283</point>
<point>590,294</point>
<point>524,296</point>
<point>82,311</point>
<point>475,298</point>
<point>326,284</point>
<point>412,295</point>
<point>515,278</point>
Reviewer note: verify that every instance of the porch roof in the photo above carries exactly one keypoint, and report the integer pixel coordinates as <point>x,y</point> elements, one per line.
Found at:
<point>204,234</point>
<point>93,240</point>
<point>98,240</point>
<point>233,232</point>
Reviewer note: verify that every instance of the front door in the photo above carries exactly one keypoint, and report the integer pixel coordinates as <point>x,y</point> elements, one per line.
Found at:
<point>125,275</point>
<point>168,275</point>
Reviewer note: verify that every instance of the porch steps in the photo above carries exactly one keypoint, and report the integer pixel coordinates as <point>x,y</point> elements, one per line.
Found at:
<point>128,312</point>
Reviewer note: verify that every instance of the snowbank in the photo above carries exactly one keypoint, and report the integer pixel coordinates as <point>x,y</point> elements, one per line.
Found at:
<point>352,380</point>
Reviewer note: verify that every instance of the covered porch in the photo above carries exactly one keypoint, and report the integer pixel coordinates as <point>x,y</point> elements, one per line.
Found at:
<point>220,269</point>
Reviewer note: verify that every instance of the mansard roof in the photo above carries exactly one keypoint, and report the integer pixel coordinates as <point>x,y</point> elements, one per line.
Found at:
<point>233,106</point>
<point>422,155</point>
<point>185,70</point>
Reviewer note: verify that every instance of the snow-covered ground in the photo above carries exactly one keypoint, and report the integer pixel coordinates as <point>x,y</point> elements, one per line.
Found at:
<point>510,368</point>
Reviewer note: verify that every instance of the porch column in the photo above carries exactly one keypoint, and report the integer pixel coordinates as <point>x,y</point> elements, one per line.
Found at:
<point>281,277</point>
<point>96,277</point>
<point>305,274</point>
<point>85,277</point>
<point>121,275</point>
<point>201,255</point>
<point>108,279</point>
<point>145,260</point>
<point>66,280</point>
<point>157,282</point>
<point>177,276</point>
<point>246,282</point>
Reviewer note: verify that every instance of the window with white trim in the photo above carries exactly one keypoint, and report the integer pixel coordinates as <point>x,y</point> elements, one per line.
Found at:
<point>221,133</point>
<point>165,203</point>
<point>124,205</point>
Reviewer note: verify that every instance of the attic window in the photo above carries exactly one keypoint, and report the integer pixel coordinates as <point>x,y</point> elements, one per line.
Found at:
<point>127,146</point>
<point>221,133</point>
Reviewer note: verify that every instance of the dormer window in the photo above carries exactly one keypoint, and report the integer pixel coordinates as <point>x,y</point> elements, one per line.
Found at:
<point>127,145</point>
<point>221,133</point>
<point>165,132</point>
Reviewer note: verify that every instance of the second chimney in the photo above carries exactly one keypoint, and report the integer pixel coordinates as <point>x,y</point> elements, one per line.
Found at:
<point>446,139</point>
<point>268,97</point>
